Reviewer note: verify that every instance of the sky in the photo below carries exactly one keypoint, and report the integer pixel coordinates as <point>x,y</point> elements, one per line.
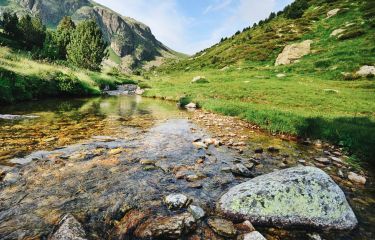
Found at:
<point>189,26</point>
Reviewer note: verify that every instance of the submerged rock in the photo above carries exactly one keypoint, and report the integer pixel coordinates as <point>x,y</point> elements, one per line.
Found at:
<point>222,227</point>
<point>300,196</point>
<point>166,227</point>
<point>70,229</point>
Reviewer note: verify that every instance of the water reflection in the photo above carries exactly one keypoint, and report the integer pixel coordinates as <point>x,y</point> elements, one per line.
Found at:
<point>63,122</point>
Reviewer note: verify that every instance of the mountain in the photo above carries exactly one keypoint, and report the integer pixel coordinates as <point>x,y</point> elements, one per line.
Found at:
<point>132,42</point>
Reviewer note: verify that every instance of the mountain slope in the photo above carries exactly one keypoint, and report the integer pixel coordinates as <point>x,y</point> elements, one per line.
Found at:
<point>130,40</point>
<point>260,45</point>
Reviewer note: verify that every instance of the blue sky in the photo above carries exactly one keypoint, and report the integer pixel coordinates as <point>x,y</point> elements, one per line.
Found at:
<point>191,25</point>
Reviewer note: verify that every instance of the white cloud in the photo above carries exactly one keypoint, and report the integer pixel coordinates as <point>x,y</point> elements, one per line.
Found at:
<point>167,24</point>
<point>220,4</point>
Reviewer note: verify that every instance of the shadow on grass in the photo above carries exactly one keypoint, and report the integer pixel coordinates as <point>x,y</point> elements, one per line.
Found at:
<point>356,134</point>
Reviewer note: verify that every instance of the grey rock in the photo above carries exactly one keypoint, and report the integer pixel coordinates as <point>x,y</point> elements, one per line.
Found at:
<point>300,196</point>
<point>254,236</point>
<point>176,201</point>
<point>197,212</point>
<point>70,229</point>
<point>16,117</point>
<point>240,170</point>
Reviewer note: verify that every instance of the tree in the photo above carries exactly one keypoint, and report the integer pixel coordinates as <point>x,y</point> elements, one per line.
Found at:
<point>50,48</point>
<point>33,32</point>
<point>10,24</point>
<point>296,9</point>
<point>87,47</point>
<point>64,33</point>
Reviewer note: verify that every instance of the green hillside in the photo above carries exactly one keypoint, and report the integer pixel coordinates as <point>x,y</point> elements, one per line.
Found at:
<point>318,96</point>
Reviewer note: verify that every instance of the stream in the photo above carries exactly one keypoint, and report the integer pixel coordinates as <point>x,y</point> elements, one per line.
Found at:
<point>101,158</point>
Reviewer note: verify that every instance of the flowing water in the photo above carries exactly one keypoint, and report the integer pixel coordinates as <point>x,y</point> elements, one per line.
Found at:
<point>84,157</point>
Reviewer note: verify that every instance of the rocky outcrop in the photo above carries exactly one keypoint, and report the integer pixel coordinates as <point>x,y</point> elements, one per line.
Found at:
<point>300,196</point>
<point>126,36</point>
<point>294,52</point>
<point>333,12</point>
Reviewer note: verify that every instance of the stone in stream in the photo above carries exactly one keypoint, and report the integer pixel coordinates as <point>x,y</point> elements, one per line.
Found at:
<point>176,201</point>
<point>253,236</point>
<point>166,227</point>
<point>222,227</point>
<point>241,170</point>
<point>197,212</point>
<point>300,196</point>
<point>69,229</point>
<point>357,178</point>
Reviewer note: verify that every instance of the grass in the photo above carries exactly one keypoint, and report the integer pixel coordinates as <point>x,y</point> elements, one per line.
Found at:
<point>296,104</point>
<point>22,78</point>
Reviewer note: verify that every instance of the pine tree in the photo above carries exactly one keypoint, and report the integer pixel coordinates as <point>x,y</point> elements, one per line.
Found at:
<point>10,25</point>
<point>87,48</point>
<point>33,32</point>
<point>64,33</point>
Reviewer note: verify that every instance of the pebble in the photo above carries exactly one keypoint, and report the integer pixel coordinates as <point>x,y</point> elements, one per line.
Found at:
<point>254,236</point>
<point>323,160</point>
<point>176,201</point>
<point>355,178</point>
<point>273,149</point>
<point>197,212</point>
<point>241,170</point>
<point>258,150</point>
<point>147,162</point>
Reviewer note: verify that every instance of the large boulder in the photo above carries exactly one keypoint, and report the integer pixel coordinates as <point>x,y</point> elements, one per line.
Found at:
<point>293,52</point>
<point>294,197</point>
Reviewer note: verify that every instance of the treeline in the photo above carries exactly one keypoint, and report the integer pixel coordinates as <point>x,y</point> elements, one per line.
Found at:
<point>82,45</point>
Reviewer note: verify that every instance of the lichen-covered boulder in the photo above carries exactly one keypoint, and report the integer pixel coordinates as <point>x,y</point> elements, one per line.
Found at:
<point>294,197</point>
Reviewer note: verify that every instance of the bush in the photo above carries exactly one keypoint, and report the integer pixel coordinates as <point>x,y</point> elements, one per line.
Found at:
<point>183,101</point>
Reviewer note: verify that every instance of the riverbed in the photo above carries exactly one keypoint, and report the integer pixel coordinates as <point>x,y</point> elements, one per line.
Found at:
<point>100,158</point>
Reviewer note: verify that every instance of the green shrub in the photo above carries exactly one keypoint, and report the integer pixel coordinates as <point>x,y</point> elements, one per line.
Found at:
<point>183,101</point>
